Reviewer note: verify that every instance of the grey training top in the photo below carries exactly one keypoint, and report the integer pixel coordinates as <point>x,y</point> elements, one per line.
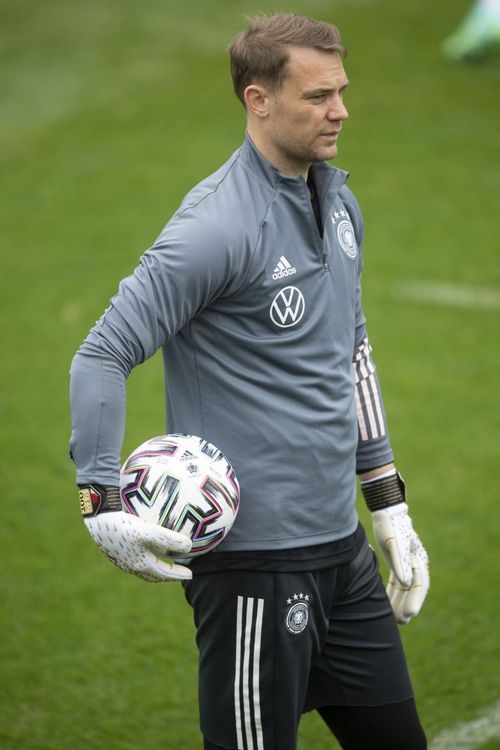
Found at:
<point>264,346</point>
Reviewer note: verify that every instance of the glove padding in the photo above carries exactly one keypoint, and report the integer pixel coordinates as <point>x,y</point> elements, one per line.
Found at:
<point>407,559</point>
<point>139,547</point>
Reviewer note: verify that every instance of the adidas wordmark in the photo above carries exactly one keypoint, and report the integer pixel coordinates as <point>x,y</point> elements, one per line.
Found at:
<point>284,268</point>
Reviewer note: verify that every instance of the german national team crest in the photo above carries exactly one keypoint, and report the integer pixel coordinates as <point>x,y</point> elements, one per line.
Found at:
<point>345,233</point>
<point>297,614</point>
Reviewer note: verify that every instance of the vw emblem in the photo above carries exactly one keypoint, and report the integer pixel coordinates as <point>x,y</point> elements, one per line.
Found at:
<point>287,307</point>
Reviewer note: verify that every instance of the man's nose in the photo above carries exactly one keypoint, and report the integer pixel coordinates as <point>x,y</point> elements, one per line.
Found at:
<point>338,111</point>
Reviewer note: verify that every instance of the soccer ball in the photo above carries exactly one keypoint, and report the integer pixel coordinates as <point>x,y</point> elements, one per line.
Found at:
<point>184,483</point>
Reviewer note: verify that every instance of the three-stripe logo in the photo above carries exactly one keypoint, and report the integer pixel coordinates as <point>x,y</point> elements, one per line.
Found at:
<point>249,618</point>
<point>369,410</point>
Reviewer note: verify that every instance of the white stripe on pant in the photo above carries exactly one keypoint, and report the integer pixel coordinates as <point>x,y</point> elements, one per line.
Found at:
<point>247,670</point>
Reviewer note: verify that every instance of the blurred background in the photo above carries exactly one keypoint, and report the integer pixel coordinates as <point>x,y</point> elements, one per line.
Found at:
<point>110,111</point>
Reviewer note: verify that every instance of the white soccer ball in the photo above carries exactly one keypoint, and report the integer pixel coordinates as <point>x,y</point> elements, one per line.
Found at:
<point>184,483</point>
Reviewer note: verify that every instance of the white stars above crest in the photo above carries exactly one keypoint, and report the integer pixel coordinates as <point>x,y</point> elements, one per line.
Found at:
<point>339,214</point>
<point>298,597</point>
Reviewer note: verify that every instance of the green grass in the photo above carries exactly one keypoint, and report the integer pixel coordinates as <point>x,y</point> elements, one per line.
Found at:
<point>110,112</point>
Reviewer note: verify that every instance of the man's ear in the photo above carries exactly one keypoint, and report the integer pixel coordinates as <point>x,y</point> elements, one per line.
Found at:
<point>257,100</point>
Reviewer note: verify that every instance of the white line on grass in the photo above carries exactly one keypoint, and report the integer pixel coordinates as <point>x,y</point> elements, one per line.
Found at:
<point>449,295</point>
<point>468,735</point>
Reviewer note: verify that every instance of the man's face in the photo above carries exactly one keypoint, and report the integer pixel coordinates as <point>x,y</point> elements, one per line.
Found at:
<point>306,114</point>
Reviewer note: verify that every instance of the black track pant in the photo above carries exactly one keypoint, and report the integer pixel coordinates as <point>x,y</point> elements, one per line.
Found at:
<point>395,726</point>
<point>276,645</point>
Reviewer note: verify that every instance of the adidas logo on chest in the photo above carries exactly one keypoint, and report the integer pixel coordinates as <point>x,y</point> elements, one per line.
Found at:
<point>283,269</point>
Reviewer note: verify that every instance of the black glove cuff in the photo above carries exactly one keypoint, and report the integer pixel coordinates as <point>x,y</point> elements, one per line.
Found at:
<point>95,498</point>
<point>384,492</point>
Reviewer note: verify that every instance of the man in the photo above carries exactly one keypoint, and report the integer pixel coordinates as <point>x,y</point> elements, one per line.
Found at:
<point>253,291</point>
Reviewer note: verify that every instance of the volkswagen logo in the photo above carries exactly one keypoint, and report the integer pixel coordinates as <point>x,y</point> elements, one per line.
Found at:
<point>287,308</point>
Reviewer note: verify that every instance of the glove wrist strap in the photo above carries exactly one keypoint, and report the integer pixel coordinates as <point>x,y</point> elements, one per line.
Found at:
<point>95,498</point>
<point>384,492</point>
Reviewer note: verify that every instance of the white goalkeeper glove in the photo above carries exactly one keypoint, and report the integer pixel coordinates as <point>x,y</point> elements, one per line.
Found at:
<point>134,545</point>
<point>402,549</point>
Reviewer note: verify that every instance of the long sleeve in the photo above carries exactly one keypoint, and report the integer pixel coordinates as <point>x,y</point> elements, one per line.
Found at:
<point>189,265</point>
<point>98,403</point>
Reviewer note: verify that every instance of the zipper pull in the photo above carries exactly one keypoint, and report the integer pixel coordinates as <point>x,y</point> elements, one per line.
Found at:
<point>325,261</point>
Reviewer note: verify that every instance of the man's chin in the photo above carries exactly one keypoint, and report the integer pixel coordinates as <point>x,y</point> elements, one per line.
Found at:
<point>326,154</point>
<point>332,153</point>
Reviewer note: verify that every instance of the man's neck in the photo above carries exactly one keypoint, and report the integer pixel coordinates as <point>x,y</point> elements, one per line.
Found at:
<point>278,160</point>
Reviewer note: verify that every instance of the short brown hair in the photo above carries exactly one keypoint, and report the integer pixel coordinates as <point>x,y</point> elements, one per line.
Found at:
<point>260,52</point>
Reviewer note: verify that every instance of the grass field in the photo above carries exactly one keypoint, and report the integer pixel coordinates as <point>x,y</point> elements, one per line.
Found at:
<point>110,111</point>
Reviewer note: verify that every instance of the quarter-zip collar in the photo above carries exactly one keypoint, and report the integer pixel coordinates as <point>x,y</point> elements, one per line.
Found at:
<point>328,180</point>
